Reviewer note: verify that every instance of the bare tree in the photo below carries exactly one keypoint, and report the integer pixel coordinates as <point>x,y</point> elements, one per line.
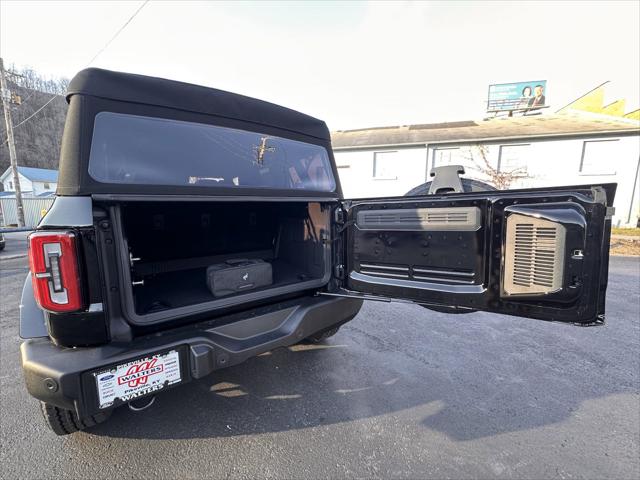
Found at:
<point>498,177</point>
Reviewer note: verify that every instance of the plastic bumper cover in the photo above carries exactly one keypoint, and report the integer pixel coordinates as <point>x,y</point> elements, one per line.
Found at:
<point>59,375</point>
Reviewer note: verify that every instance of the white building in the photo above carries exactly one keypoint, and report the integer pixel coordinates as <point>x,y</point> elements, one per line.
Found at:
<point>545,150</point>
<point>33,181</point>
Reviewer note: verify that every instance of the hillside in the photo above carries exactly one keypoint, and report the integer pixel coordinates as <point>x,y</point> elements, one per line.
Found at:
<point>38,139</point>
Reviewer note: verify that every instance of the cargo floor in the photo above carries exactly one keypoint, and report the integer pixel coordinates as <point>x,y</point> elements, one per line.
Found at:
<point>189,287</point>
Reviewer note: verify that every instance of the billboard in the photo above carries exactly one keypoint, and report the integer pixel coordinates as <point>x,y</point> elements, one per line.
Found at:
<point>517,96</point>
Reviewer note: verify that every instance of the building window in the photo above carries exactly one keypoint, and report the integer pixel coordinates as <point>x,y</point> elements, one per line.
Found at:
<point>46,186</point>
<point>10,185</point>
<point>447,156</point>
<point>384,165</point>
<point>597,157</point>
<point>514,159</point>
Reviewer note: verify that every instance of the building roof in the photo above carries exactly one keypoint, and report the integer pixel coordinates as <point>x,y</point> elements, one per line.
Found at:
<point>35,174</point>
<point>496,129</point>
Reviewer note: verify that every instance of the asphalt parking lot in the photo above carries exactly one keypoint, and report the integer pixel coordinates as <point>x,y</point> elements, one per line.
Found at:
<point>15,245</point>
<point>400,392</point>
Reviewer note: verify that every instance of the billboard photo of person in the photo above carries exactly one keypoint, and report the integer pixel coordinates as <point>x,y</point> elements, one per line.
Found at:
<point>538,99</point>
<point>525,98</point>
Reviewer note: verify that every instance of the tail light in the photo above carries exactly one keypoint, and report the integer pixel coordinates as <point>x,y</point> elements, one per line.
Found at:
<point>54,268</point>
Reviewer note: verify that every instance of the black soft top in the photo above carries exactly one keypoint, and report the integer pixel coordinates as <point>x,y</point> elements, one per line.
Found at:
<point>93,91</point>
<point>161,92</point>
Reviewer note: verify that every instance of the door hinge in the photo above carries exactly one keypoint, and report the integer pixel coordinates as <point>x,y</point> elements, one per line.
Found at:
<point>338,271</point>
<point>611,211</point>
<point>339,216</point>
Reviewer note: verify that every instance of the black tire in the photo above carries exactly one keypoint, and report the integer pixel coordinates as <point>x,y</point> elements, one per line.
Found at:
<point>322,336</point>
<point>468,185</point>
<point>64,422</point>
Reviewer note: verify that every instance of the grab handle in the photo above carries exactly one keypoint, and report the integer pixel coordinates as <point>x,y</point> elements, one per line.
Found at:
<point>236,261</point>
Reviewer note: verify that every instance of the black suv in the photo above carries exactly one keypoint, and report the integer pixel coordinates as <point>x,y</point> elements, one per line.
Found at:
<point>165,188</point>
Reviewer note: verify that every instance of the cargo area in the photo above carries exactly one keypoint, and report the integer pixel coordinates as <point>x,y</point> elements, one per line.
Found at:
<point>169,246</point>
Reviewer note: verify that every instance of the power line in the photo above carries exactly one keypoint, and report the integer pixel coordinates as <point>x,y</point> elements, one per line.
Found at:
<point>37,111</point>
<point>33,92</point>
<point>118,32</point>
<point>115,35</point>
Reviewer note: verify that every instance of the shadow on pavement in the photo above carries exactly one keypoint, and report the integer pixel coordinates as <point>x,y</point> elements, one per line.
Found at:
<point>308,386</point>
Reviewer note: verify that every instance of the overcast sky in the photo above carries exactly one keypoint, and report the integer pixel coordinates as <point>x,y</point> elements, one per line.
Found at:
<point>354,65</point>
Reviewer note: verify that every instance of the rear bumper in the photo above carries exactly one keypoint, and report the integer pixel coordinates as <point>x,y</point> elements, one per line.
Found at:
<point>59,376</point>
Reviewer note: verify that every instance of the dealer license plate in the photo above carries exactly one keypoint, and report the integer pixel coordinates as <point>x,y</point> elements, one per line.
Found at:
<point>140,377</point>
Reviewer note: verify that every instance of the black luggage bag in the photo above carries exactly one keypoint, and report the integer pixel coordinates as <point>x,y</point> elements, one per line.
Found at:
<point>238,275</point>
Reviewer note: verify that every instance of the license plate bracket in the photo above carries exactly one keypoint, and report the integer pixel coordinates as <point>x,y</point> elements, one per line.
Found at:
<point>139,377</point>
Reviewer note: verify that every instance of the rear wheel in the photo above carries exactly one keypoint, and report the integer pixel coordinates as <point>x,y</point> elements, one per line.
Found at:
<point>64,422</point>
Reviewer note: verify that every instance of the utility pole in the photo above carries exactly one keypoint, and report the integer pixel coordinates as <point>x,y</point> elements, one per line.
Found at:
<point>6,99</point>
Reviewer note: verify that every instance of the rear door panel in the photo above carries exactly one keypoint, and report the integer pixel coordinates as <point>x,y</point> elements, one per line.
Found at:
<point>537,253</point>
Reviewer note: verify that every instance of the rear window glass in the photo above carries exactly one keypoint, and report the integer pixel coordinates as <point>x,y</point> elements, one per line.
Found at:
<point>131,149</point>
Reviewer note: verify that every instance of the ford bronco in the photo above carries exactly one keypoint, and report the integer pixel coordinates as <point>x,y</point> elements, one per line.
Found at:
<point>194,228</point>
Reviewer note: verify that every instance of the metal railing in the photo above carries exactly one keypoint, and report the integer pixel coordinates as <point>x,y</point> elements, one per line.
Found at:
<point>34,210</point>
